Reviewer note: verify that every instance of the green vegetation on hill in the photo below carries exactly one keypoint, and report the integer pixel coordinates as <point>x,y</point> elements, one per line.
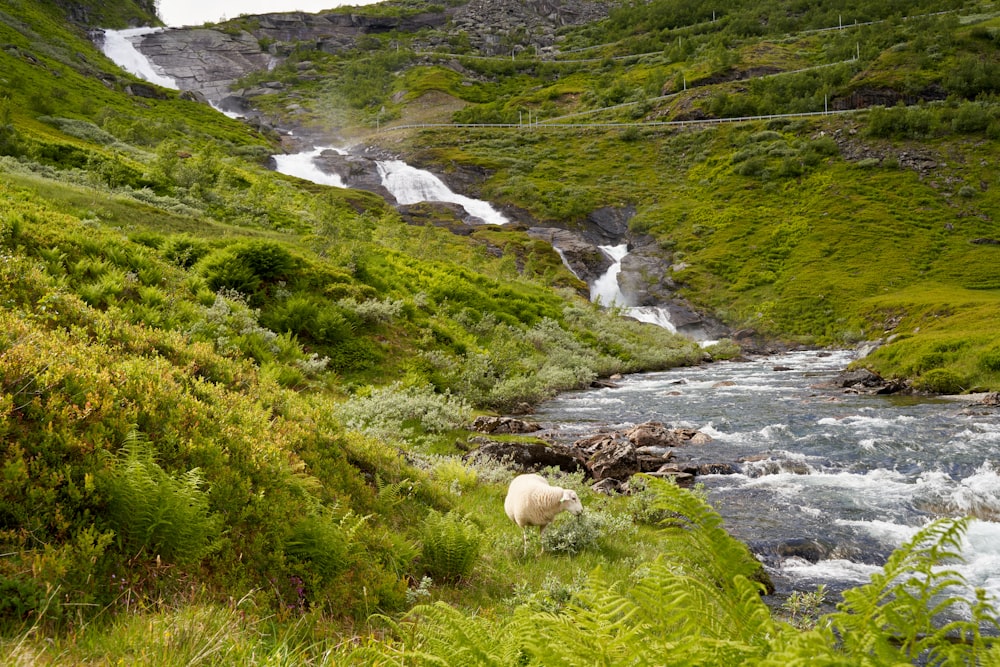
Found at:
<point>813,229</point>
<point>210,373</point>
<point>230,400</point>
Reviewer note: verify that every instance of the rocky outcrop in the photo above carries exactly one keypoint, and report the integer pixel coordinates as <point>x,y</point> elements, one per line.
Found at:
<point>336,31</point>
<point>529,456</point>
<point>498,27</point>
<point>583,258</point>
<point>864,381</point>
<point>355,171</point>
<point>208,61</point>
<point>644,278</point>
<point>498,425</point>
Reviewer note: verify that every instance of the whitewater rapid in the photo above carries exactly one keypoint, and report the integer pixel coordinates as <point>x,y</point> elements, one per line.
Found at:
<point>828,482</point>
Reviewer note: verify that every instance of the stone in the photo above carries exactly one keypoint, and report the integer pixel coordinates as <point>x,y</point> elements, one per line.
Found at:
<point>861,376</point>
<point>717,469</point>
<point>618,462</point>
<point>652,434</point>
<point>530,456</point>
<point>608,487</point>
<point>503,425</point>
<point>595,443</point>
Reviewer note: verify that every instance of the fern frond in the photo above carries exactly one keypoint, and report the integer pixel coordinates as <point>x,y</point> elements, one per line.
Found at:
<point>694,535</point>
<point>449,638</point>
<point>898,615</point>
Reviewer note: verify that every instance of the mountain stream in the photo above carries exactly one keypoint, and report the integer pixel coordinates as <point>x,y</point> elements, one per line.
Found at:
<point>829,482</point>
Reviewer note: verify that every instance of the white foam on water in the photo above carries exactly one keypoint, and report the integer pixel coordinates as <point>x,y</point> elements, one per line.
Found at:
<point>980,550</point>
<point>303,165</point>
<point>410,185</point>
<point>865,422</point>
<point>119,46</point>
<point>977,495</point>
<point>843,571</point>
<point>652,315</point>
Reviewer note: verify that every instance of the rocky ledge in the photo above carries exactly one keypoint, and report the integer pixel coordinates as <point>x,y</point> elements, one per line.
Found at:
<point>608,458</point>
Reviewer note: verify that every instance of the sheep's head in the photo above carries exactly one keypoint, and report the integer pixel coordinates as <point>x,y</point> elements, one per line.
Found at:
<point>570,502</point>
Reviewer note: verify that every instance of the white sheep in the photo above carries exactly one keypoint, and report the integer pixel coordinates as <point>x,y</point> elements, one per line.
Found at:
<point>531,501</point>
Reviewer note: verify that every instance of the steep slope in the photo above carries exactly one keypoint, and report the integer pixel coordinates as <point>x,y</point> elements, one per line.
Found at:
<point>209,372</point>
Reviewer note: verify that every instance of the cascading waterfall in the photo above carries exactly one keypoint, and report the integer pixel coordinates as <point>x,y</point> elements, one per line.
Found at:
<point>410,185</point>
<point>303,165</point>
<point>607,292</point>
<point>406,183</point>
<point>119,47</point>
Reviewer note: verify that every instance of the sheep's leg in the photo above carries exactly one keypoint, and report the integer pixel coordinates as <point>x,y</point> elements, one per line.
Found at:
<point>524,537</point>
<point>541,545</point>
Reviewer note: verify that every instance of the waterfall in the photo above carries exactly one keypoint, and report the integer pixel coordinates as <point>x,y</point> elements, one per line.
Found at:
<point>605,289</point>
<point>120,48</point>
<point>301,165</point>
<point>410,185</point>
<point>607,292</point>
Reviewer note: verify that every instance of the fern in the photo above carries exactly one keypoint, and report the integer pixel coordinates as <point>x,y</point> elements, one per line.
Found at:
<point>903,613</point>
<point>694,535</point>
<point>438,635</point>
<point>155,512</point>
<point>451,545</point>
<point>696,605</point>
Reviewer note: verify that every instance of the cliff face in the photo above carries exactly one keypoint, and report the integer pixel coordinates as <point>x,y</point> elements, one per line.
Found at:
<point>210,60</point>
<point>204,60</point>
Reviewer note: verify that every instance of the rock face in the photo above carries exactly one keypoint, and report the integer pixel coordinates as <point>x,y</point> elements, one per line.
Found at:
<point>499,27</point>
<point>356,172</point>
<point>207,61</point>
<point>582,257</point>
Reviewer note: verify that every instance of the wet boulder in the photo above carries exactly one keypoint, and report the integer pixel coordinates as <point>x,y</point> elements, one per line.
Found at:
<point>860,377</point>
<point>619,462</point>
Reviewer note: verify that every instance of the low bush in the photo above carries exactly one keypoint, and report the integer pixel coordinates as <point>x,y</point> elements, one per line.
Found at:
<point>940,381</point>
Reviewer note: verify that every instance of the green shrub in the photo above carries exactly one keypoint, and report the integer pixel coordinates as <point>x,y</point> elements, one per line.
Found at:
<point>451,545</point>
<point>386,412</point>
<point>586,531</point>
<point>250,268</point>
<point>940,381</point>
<point>184,251</point>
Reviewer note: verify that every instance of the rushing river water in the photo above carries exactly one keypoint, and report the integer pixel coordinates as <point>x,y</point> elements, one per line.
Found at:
<point>830,482</point>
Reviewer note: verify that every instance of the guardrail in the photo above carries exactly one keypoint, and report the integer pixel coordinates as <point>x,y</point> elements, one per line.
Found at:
<point>647,124</point>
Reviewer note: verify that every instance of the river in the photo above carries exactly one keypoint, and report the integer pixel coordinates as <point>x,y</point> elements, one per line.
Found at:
<point>830,482</point>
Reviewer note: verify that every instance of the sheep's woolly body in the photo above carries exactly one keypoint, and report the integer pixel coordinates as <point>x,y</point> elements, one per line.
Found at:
<point>532,502</point>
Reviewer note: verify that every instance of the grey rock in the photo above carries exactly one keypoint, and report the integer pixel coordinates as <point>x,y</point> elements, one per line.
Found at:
<point>497,425</point>
<point>618,462</point>
<point>530,456</point>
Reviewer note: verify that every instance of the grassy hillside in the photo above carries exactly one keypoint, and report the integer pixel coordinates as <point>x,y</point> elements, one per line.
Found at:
<point>817,229</point>
<point>210,373</point>
<point>232,403</point>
